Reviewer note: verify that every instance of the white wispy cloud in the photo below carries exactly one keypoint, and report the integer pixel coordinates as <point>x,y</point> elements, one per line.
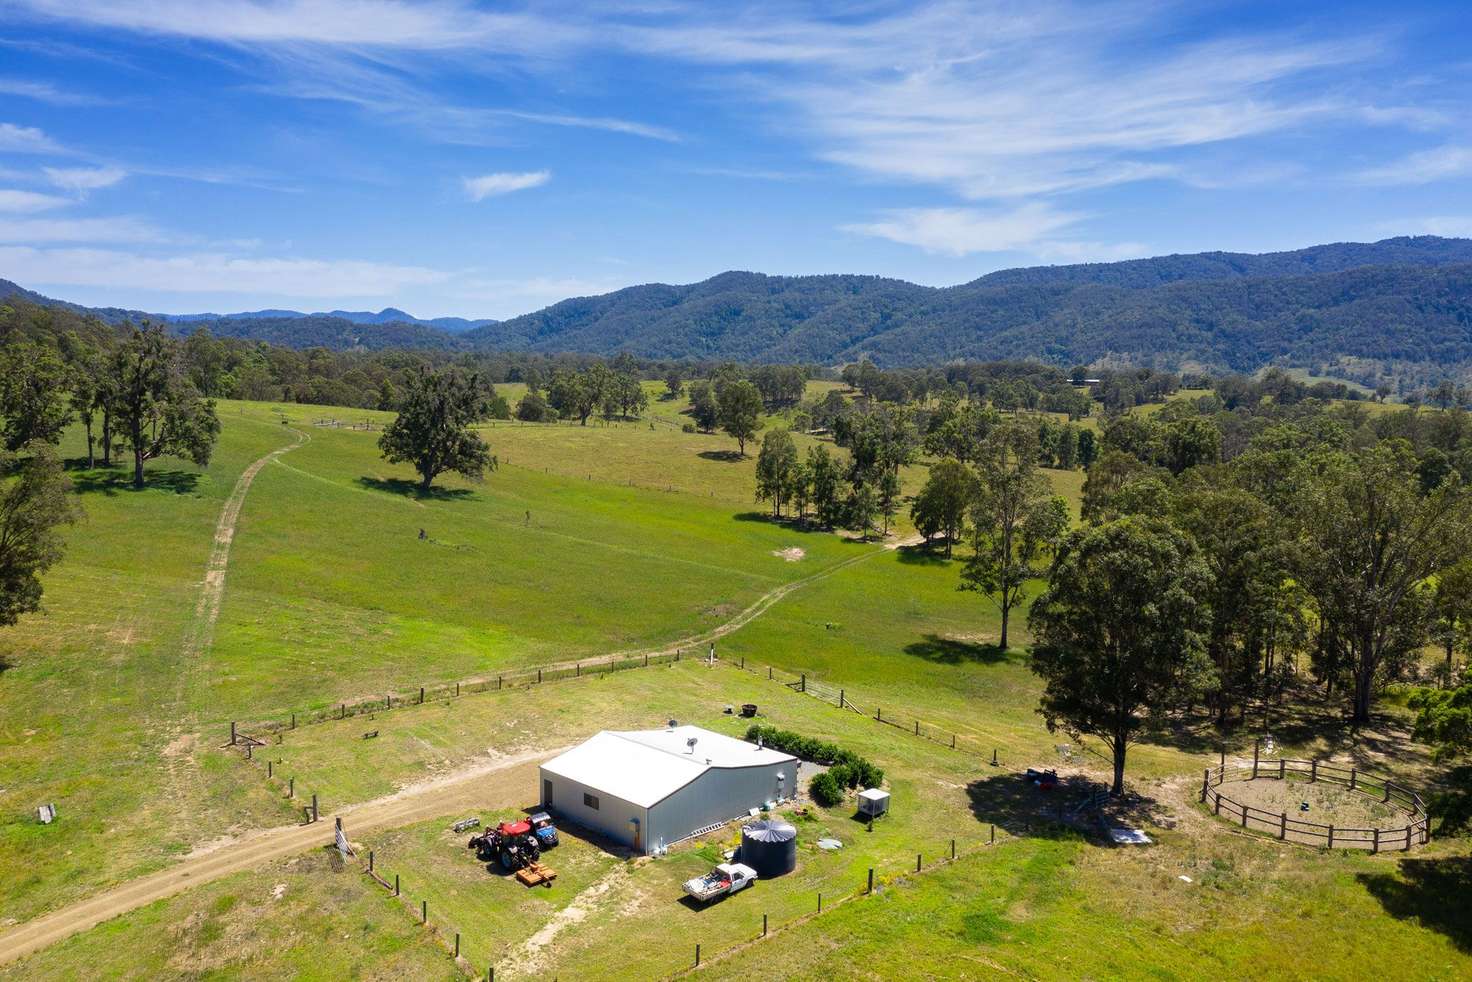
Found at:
<point>25,139</point>
<point>388,23</point>
<point>1032,227</point>
<point>1422,167</point>
<point>116,229</point>
<point>84,178</point>
<point>45,92</point>
<point>212,273</point>
<point>489,185</point>
<point>26,202</point>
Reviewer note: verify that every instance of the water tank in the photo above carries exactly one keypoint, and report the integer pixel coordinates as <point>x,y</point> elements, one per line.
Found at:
<point>769,847</point>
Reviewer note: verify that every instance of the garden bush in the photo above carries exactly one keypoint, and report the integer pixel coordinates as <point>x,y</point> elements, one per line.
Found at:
<point>846,768</point>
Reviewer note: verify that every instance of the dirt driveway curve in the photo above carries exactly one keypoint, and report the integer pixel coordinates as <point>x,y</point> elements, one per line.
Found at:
<point>504,781</point>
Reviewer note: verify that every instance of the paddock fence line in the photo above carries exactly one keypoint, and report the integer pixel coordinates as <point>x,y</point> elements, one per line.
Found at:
<point>1281,826</point>
<point>445,927</point>
<point>842,697</point>
<point>418,696</point>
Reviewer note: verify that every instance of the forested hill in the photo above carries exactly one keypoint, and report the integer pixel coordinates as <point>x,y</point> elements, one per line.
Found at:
<point>1402,306</point>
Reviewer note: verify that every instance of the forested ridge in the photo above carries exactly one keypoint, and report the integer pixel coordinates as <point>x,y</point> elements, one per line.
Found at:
<point>1400,309</point>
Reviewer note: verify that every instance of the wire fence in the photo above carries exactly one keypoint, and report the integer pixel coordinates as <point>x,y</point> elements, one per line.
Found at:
<point>444,927</point>
<point>1417,829</point>
<point>842,697</point>
<point>399,698</point>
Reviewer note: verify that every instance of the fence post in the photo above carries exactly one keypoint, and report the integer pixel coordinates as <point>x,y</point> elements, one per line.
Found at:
<point>1205,783</point>
<point>232,733</point>
<point>578,669</point>
<point>994,756</point>
<point>291,787</point>
<point>1331,835</point>
<point>342,711</point>
<point>840,698</point>
<point>396,884</point>
<point>1256,746</point>
<point>293,721</point>
<point>917,727</point>
<point>457,944</point>
<point>994,835</point>
<point>1282,767</point>
<point>269,769</point>
<point>820,901</point>
<point>764,925</point>
<point>1218,803</point>
<point>1407,847</point>
<point>1283,825</point>
<point>1352,778</point>
<point>953,848</point>
<point>769,673</point>
<point>370,860</point>
<point>871,880</point>
<point>1387,793</point>
<point>953,741</point>
<point>804,682</point>
<point>697,954</point>
<point>1313,772</point>
<point>314,806</point>
<point>498,683</point>
<point>917,862</point>
<point>1224,758</point>
<point>1244,815</point>
<point>1376,847</point>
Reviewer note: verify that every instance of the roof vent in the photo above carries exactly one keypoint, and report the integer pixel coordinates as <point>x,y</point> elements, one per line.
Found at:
<point>691,742</point>
<point>674,723</point>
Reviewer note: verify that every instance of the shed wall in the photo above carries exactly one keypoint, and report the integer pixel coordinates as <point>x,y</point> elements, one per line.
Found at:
<point>718,795</point>
<point>611,817</point>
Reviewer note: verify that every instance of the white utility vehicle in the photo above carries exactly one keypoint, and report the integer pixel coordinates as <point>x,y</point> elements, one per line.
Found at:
<point>725,878</point>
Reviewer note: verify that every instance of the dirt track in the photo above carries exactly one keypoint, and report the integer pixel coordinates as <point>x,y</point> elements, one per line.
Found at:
<point>503,782</point>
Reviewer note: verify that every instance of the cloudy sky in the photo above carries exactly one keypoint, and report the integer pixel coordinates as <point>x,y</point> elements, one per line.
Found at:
<point>455,157</point>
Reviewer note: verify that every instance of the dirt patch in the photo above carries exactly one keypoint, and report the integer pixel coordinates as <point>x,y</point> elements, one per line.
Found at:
<point>181,745</point>
<point>791,554</point>
<point>527,959</point>
<point>1327,803</point>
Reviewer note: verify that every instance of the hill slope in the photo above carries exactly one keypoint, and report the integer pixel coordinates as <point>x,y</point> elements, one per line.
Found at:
<point>1401,306</point>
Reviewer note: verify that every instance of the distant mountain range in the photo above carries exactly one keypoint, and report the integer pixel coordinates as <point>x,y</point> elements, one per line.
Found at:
<point>1358,310</point>
<point>388,315</point>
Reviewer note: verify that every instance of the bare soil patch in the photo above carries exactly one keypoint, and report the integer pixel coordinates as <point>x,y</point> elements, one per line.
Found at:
<point>791,554</point>
<point>1327,803</point>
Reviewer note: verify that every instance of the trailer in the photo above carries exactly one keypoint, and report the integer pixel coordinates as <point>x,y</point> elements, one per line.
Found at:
<point>725,879</point>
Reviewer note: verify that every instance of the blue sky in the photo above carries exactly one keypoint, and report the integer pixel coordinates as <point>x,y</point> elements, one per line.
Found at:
<point>452,157</point>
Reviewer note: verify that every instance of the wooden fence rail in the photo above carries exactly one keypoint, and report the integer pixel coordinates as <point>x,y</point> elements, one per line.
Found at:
<point>1416,831</point>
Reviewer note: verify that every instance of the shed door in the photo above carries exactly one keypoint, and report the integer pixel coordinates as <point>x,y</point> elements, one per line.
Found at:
<point>546,791</point>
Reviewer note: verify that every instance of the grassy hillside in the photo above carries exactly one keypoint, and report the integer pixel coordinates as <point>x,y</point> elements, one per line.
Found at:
<point>637,538</point>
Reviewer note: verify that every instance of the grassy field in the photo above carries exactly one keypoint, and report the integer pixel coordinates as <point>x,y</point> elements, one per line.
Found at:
<point>588,541</point>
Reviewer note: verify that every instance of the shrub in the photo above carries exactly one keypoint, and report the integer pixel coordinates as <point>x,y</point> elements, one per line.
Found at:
<point>688,428</point>
<point>825,790</point>
<point>846,768</point>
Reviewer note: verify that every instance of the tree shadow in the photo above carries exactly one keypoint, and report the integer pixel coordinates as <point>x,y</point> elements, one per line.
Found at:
<point>954,651</point>
<point>1008,801</point>
<point>111,482</point>
<point>923,555</point>
<point>411,489</point>
<point>724,456</point>
<point>1432,892</point>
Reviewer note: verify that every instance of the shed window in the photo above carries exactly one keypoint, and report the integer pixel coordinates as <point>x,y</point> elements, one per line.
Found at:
<point>590,800</point>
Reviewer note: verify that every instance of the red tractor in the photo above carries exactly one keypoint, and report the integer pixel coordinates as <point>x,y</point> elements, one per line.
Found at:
<point>512,844</point>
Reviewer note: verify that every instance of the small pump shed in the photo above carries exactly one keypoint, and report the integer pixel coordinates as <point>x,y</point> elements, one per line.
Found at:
<point>873,802</point>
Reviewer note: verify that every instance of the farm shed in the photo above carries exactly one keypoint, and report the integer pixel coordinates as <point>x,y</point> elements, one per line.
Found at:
<point>651,788</point>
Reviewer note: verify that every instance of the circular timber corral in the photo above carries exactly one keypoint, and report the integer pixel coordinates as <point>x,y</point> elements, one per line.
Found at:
<point>1316,802</point>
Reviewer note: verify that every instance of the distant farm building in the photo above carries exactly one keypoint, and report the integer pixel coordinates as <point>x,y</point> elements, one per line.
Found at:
<point>649,789</point>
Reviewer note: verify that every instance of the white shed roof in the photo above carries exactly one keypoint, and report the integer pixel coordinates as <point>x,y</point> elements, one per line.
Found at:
<point>873,794</point>
<point>643,767</point>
